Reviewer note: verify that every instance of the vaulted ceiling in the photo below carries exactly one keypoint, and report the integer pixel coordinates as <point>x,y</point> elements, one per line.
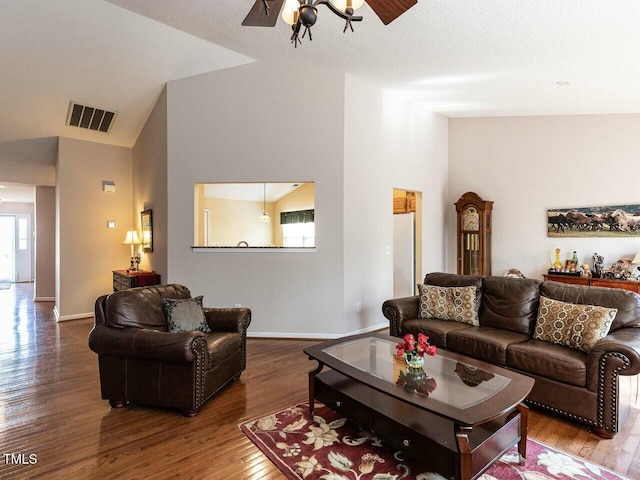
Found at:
<point>455,57</point>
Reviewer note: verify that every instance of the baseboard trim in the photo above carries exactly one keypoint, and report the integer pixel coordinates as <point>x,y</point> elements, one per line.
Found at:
<point>66,318</point>
<point>315,336</point>
<point>44,299</point>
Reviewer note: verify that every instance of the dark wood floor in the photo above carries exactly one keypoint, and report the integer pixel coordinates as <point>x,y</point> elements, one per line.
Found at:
<point>52,414</point>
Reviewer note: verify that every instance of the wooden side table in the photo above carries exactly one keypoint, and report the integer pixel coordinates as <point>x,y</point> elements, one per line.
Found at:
<point>123,279</point>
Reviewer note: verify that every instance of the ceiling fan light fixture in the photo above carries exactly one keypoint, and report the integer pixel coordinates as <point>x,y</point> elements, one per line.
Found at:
<point>344,4</point>
<point>290,11</point>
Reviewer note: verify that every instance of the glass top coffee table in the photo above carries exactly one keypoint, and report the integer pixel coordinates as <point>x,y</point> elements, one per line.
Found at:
<point>457,415</point>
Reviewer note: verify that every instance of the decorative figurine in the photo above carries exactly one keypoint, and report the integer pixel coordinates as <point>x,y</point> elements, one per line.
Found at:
<point>557,264</point>
<point>598,265</point>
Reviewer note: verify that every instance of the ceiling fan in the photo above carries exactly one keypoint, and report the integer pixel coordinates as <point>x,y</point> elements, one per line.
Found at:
<point>304,13</point>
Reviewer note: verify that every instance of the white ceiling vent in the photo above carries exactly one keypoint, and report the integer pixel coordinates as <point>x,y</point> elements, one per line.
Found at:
<point>91,118</point>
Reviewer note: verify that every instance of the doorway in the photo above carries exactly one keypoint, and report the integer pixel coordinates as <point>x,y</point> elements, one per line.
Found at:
<point>7,248</point>
<point>407,241</point>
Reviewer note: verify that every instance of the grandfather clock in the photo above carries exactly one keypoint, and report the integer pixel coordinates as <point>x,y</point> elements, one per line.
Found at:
<point>474,234</point>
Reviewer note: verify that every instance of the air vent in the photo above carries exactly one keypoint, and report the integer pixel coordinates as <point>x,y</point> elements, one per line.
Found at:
<point>91,118</point>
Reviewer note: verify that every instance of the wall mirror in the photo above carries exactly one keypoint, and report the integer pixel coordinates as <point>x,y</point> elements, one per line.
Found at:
<point>147,230</point>
<point>260,215</point>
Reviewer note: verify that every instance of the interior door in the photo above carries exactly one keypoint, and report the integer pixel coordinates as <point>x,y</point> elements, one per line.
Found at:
<point>404,284</point>
<point>7,247</point>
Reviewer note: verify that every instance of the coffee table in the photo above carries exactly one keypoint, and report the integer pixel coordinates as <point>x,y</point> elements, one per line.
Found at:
<point>456,415</point>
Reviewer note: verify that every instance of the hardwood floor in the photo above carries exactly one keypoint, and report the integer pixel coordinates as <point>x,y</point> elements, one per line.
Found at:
<point>53,423</point>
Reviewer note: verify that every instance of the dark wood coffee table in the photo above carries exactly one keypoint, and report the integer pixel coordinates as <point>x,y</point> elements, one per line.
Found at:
<point>457,415</point>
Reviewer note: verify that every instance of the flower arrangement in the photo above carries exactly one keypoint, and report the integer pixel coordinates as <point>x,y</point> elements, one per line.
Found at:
<point>413,350</point>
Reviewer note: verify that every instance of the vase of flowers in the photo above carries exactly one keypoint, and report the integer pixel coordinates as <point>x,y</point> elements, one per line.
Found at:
<point>414,349</point>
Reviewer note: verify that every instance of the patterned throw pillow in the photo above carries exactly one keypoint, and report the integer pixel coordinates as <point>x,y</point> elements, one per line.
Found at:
<point>185,315</point>
<point>449,303</point>
<point>571,325</point>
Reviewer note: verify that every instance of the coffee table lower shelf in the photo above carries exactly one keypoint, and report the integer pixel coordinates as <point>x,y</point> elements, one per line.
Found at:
<point>434,441</point>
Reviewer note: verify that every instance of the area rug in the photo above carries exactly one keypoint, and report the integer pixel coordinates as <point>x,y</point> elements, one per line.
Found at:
<point>328,447</point>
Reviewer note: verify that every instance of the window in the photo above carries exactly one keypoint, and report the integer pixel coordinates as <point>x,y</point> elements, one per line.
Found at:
<point>237,210</point>
<point>22,234</point>
<point>299,234</point>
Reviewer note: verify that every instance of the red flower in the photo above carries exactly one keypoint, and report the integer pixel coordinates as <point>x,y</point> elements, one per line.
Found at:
<point>419,346</point>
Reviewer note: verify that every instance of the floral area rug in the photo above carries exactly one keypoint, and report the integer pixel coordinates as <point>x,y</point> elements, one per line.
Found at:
<point>328,447</point>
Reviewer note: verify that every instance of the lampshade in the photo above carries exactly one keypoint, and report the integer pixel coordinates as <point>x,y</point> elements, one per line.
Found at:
<point>342,4</point>
<point>131,238</point>
<point>289,11</point>
<point>636,259</point>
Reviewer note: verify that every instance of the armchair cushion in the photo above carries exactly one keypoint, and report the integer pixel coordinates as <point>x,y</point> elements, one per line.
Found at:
<point>185,315</point>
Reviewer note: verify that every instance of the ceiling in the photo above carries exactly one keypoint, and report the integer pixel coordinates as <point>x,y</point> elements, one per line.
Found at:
<point>15,192</point>
<point>250,192</point>
<point>459,57</point>
<point>455,57</point>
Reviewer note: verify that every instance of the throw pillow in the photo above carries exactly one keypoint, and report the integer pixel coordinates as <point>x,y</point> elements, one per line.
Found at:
<point>572,325</point>
<point>185,315</point>
<point>458,304</point>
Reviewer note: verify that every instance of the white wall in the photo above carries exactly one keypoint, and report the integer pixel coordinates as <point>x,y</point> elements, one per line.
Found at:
<point>389,142</point>
<point>87,250</point>
<point>261,123</point>
<point>527,165</point>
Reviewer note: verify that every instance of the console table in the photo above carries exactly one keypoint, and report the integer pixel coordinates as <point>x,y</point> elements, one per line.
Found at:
<point>630,285</point>
<point>123,279</point>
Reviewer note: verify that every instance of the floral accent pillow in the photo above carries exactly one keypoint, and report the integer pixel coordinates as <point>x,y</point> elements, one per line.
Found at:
<point>457,304</point>
<point>572,325</point>
<point>185,315</point>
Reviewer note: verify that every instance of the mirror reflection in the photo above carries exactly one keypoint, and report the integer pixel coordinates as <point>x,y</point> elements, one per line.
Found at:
<point>254,215</point>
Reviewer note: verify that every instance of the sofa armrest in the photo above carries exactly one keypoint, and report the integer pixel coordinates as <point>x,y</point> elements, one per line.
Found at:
<point>144,343</point>
<point>624,341</point>
<point>398,310</point>
<point>228,319</point>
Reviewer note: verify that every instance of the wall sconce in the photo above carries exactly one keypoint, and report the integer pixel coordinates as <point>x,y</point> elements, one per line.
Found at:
<point>131,238</point>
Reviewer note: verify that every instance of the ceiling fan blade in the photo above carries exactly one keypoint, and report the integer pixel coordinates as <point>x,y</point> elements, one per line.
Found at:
<point>258,16</point>
<point>389,10</point>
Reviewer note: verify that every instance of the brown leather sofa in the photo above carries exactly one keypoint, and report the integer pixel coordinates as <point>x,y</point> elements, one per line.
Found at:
<point>597,388</point>
<point>141,362</point>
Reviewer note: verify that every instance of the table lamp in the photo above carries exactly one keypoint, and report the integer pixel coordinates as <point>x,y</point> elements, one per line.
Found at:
<point>131,239</point>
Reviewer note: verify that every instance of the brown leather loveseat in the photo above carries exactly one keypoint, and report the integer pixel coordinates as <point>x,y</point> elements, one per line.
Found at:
<point>597,387</point>
<point>142,362</point>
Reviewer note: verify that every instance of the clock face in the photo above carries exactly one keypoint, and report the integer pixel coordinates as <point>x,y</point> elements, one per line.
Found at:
<point>470,219</point>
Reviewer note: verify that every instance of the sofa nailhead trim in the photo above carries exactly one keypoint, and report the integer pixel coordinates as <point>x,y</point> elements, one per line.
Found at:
<point>561,412</point>
<point>614,390</point>
<point>199,349</point>
<point>390,314</point>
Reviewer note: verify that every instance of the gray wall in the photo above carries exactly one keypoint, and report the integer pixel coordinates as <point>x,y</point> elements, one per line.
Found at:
<point>267,123</point>
<point>45,244</point>
<point>150,184</point>
<point>88,251</point>
<point>261,123</point>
